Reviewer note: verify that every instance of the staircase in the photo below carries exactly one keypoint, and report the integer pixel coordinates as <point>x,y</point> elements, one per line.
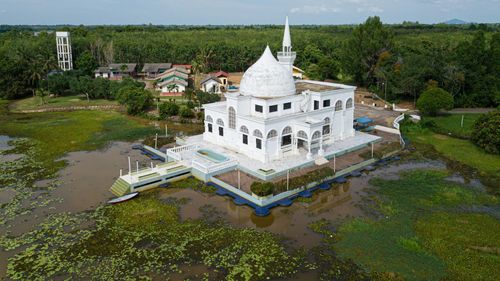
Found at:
<point>120,187</point>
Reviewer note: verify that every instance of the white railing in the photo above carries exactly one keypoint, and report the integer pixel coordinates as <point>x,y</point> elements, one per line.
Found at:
<point>200,167</point>
<point>174,155</point>
<point>222,166</point>
<point>209,169</point>
<point>175,152</point>
<point>187,147</point>
<point>395,124</point>
<point>396,121</point>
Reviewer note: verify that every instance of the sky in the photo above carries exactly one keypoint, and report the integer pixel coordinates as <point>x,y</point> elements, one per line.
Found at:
<point>236,12</point>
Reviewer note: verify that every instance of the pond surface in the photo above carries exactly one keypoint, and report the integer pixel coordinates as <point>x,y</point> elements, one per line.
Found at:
<point>84,185</point>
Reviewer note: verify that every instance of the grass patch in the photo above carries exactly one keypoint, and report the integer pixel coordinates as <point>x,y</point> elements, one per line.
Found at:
<point>450,124</point>
<point>393,245</point>
<point>63,101</point>
<point>59,133</point>
<point>459,150</point>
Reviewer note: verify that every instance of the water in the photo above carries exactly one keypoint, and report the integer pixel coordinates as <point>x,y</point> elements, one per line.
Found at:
<point>84,185</point>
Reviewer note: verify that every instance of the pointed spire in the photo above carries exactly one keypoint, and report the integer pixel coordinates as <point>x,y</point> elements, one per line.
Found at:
<point>287,41</point>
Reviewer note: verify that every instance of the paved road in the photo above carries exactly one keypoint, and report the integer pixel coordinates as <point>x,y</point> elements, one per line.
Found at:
<point>379,115</point>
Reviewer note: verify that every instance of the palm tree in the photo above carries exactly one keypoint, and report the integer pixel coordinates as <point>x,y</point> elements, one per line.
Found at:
<point>41,93</point>
<point>188,94</point>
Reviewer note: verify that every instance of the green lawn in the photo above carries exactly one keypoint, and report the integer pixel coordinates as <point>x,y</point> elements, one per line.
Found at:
<point>452,123</point>
<point>35,102</point>
<point>459,150</point>
<point>421,234</point>
<point>57,133</point>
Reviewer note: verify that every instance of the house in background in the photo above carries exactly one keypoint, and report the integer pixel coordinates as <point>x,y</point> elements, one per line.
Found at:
<point>152,70</point>
<point>211,84</point>
<point>116,71</point>
<point>297,73</point>
<point>173,86</point>
<point>187,67</point>
<point>215,82</point>
<point>173,81</point>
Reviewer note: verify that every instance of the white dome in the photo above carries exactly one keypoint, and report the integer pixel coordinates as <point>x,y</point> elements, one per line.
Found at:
<point>267,78</point>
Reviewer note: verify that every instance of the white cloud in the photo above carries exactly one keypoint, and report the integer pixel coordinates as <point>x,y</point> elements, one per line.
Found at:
<point>314,9</point>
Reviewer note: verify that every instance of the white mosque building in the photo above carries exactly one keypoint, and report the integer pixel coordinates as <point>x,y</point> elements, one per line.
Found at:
<point>272,126</point>
<point>273,116</point>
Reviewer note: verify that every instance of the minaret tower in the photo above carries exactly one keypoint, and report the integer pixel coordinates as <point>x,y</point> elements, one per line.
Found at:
<point>286,57</point>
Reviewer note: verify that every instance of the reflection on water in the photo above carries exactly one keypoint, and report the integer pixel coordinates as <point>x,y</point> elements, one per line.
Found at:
<point>4,142</point>
<point>336,204</point>
<point>86,180</point>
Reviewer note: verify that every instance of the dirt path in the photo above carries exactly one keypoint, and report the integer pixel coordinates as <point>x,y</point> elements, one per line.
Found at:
<point>73,108</point>
<point>470,110</point>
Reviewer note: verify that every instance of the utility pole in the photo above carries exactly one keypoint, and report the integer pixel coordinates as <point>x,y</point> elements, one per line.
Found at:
<point>129,166</point>
<point>287,179</point>
<point>239,180</point>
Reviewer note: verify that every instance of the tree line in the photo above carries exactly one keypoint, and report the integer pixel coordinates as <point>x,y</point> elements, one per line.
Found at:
<point>396,61</point>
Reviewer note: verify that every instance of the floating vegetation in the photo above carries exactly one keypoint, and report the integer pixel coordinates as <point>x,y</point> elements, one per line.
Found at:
<point>142,238</point>
<point>420,212</point>
<point>20,175</point>
<point>194,184</point>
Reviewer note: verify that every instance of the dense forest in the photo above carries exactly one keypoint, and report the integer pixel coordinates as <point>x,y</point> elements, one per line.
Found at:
<point>396,61</point>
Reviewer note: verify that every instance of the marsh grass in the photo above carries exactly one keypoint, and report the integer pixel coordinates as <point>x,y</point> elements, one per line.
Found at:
<point>56,134</point>
<point>405,241</point>
<point>455,149</point>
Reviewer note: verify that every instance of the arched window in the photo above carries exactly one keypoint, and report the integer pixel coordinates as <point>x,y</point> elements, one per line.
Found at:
<point>209,119</point>
<point>287,131</point>
<point>316,135</point>
<point>302,135</point>
<point>348,103</point>
<point>244,129</point>
<point>231,117</point>
<point>326,127</point>
<point>338,105</point>
<point>272,134</point>
<point>220,122</point>
<point>257,133</point>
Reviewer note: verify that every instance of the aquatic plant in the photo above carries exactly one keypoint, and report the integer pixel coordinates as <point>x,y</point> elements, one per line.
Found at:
<point>404,241</point>
<point>144,237</point>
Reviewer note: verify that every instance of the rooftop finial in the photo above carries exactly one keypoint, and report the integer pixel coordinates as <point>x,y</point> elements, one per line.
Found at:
<point>287,41</point>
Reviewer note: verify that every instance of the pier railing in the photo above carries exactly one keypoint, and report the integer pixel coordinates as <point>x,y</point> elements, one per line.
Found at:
<point>209,169</point>
<point>176,152</point>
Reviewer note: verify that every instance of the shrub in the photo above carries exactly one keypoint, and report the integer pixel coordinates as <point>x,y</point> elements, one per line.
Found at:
<point>434,99</point>
<point>300,181</point>
<point>486,132</point>
<point>186,112</point>
<point>262,188</point>
<point>190,104</point>
<point>135,99</point>
<point>168,109</point>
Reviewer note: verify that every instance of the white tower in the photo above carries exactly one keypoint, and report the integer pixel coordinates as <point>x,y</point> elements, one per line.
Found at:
<point>286,57</point>
<point>64,57</point>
